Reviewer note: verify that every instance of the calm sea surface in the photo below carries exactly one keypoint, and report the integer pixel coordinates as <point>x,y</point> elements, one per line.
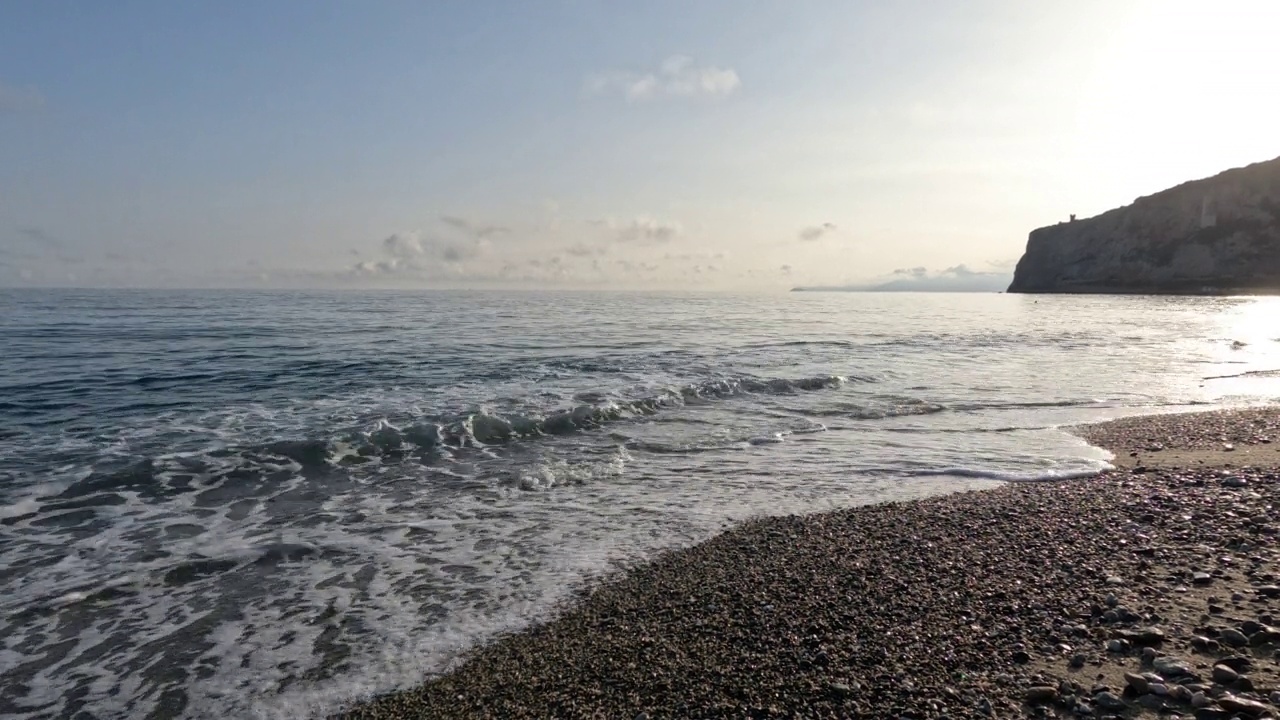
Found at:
<point>266,504</point>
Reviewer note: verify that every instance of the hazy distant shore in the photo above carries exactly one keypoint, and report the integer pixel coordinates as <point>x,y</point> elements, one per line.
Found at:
<point>979,604</point>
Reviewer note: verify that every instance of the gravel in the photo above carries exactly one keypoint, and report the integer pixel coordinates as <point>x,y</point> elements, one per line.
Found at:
<point>1188,431</point>
<point>998,603</point>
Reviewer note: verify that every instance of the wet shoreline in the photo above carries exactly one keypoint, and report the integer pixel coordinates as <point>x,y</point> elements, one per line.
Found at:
<point>1031,599</point>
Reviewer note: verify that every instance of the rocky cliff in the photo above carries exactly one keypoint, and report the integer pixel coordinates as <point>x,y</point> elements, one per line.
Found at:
<point>1210,236</point>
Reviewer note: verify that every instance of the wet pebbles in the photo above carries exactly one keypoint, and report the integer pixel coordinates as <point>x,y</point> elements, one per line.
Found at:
<point>1130,594</point>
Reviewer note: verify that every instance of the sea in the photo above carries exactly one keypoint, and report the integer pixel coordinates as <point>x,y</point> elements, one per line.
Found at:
<point>270,504</point>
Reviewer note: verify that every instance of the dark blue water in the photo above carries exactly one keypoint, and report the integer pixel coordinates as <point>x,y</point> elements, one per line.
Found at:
<point>268,504</point>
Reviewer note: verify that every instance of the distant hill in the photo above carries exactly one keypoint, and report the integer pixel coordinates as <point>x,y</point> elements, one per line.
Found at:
<point>955,279</point>
<point>1213,236</point>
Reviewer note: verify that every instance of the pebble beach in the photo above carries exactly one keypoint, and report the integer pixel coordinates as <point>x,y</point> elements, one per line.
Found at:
<point>1151,590</point>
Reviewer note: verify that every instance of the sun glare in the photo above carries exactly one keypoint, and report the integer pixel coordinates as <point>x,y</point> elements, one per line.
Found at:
<point>1187,86</point>
<point>1256,323</point>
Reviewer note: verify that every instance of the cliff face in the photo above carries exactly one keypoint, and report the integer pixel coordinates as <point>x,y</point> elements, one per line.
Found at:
<point>1216,235</point>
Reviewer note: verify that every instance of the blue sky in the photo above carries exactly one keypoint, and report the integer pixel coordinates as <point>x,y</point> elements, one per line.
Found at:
<point>599,144</point>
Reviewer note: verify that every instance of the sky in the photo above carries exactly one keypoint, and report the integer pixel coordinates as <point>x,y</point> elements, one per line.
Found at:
<point>682,144</point>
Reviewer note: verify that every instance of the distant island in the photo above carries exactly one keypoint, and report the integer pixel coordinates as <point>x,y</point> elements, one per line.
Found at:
<point>960,278</point>
<point>1219,235</point>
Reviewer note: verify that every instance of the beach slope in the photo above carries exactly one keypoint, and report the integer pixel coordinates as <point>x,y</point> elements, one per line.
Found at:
<point>1146,590</point>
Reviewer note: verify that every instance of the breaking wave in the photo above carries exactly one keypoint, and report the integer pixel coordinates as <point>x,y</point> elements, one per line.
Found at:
<point>486,427</point>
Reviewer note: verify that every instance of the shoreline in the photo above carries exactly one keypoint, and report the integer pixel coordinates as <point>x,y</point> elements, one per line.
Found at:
<point>1030,599</point>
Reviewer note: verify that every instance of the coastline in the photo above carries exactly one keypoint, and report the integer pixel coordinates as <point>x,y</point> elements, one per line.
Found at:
<point>1030,599</point>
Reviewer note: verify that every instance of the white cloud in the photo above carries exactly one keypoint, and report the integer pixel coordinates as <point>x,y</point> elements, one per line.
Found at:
<point>376,267</point>
<point>403,245</point>
<point>475,230</point>
<point>677,76</point>
<point>412,254</point>
<point>698,255</point>
<point>413,244</point>
<point>815,232</point>
<point>585,250</point>
<point>641,230</point>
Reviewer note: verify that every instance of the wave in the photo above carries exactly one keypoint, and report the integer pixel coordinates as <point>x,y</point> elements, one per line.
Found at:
<point>491,428</point>
<point>909,406</point>
<point>433,436</point>
<point>966,430</point>
<point>981,474</point>
<point>1250,373</point>
<point>898,407</point>
<point>805,343</point>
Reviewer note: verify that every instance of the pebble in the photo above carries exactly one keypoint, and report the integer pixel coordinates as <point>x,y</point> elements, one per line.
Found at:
<point>1172,667</point>
<point>1151,702</point>
<point>1234,481</point>
<point>1201,578</point>
<point>1239,663</point>
<point>1237,704</point>
<point>1199,700</point>
<point>1224,674</point>
<point>1145,636</point>
<point>1042,695</point>
<point>839,691</point>
<point>1201,642</point>
<point>1140,684</point>
<point>1233,637</point>
<point>1109,701</point>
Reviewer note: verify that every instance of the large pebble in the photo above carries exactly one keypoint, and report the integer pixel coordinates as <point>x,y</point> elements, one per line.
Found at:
<point>1237,704</point>
<point>1144,636</point>
<point>1109,701</point>
<point>1042,695</point>
<point>1171,667</point>
<point>1233,637</point>
<point>1140,685</point>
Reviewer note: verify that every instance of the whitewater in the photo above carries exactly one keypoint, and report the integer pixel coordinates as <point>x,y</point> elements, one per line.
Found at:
<point>269,504</point>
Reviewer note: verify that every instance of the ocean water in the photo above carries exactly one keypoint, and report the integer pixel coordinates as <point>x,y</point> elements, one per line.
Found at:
<point>245,504</point>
